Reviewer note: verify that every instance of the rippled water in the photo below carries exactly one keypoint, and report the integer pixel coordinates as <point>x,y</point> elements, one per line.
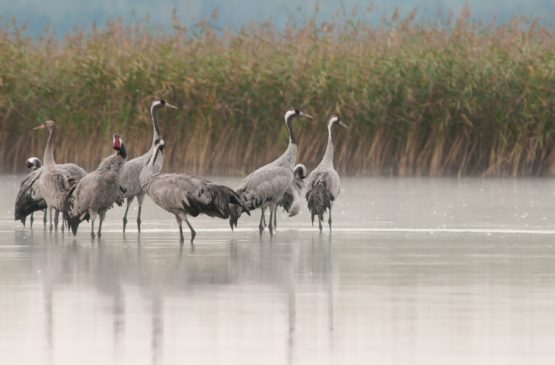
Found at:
<point>417,271</point>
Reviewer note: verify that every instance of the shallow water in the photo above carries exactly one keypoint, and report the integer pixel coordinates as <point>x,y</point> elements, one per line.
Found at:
<point>416,271</point>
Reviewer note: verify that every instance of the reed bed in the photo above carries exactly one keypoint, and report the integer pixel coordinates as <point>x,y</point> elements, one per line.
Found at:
<point>460,98</point>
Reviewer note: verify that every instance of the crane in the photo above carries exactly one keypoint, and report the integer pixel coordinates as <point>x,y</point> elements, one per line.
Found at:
<point>323,184</point>
<point>54,183</point>
<point>264,187</point>
<point>29,198</point>
<point>132,169</point>
<point>185,195</point>
<point>97,191</point>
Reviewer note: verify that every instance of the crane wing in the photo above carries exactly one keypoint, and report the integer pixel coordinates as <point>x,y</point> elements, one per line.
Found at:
<point>263,185</point>
<point>29,198</point>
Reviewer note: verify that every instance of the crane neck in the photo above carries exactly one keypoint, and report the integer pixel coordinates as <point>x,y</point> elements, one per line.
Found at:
<point>153,166</point>
<point>328,156</point>
<point>155,127</point>
<point>49,150</point>
<point>122,152</point>
<point>292,136</point>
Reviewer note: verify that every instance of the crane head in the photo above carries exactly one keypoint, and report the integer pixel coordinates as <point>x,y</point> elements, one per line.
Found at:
<point>295,113</point>
<point>48,124</point>
<point>300,171</point>
<point>117,142</point>
<point>335,119</point>
<point>159,144</point>
<point>119,146</point>
<point>162,104</point>
<point>33,163</point>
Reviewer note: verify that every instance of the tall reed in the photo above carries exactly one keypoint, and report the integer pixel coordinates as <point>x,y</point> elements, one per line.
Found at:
<point>462,98</point>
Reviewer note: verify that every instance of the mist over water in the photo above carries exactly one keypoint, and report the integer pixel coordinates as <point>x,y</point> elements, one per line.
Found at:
<point>419,271</point>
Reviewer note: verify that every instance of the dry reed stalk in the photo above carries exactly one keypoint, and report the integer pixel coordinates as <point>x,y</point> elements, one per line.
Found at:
<point>466,99</point>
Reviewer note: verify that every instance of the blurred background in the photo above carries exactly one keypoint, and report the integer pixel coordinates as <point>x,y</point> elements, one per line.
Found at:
<point>63,16</point>
<point>432,88</point>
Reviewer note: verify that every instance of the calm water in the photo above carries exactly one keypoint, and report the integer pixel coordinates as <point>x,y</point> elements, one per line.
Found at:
<point>417,271</point>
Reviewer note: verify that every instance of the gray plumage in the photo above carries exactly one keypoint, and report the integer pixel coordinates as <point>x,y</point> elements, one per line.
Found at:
<point>29,198</point>
<point>132,169</point>
<point>97,192</point>
<point>54,182</point>
<point>290,200</point>
<point>264,187</point>
<point>185,195</point>
<point>323,184</point>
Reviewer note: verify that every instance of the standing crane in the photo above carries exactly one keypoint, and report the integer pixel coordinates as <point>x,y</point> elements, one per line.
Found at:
<point>291,198</point>
<point>132,169</point>
<point>29,198</point>
<point>323,185</point>
<point>97,191</point>
<point>264,187</point>
<point>54,182</point>
<point>290,201</point>
<point>185,195</point>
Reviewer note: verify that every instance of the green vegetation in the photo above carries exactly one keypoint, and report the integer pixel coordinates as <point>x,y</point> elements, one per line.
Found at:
<point>456,99</point>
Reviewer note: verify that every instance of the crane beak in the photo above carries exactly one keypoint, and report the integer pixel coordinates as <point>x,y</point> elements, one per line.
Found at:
<point>42,126</point>
<point>305,115</point>
<point>341,123</point>
<point>171,106</point>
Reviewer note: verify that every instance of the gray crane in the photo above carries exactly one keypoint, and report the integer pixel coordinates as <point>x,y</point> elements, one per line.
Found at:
<point>290,201</point>
<point>132,169</point>
<point>291,198</point>
<point>97,191</point>
<point>185,195</point>
<point>264,187</point>
<point>54,182</point>
<point>29,198</point>
<point>323,185</point>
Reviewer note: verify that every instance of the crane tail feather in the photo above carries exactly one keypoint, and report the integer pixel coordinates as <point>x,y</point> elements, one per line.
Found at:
<point>319,200</point>
<point>72,221</point>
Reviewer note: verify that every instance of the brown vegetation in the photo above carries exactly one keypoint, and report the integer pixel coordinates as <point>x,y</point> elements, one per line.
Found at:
<point>457,99</point>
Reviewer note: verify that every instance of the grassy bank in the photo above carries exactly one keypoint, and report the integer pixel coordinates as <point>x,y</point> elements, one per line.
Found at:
<point>456,99</point>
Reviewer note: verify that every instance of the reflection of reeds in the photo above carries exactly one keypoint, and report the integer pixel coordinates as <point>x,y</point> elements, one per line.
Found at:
<point>460,99</point>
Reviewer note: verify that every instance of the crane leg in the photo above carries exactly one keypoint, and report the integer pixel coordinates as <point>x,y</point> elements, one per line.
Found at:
<point>50,215</point>
<point>271,225</point>
<point>101,216</point>
<point>31,221</point>
<point>44,218</point>
<point>93,217</point>
<point>179,223</point>
<point>56,219</point>
<point>193,233</point>
<point>320,219</point>
<point>129,201</point>
<point>140,199</point>
<point>275,219</point>
<point>329,219</point>
<point>262,220</point>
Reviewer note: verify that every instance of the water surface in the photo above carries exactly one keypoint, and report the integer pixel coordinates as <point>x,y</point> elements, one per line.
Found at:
<point>416,271</point>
